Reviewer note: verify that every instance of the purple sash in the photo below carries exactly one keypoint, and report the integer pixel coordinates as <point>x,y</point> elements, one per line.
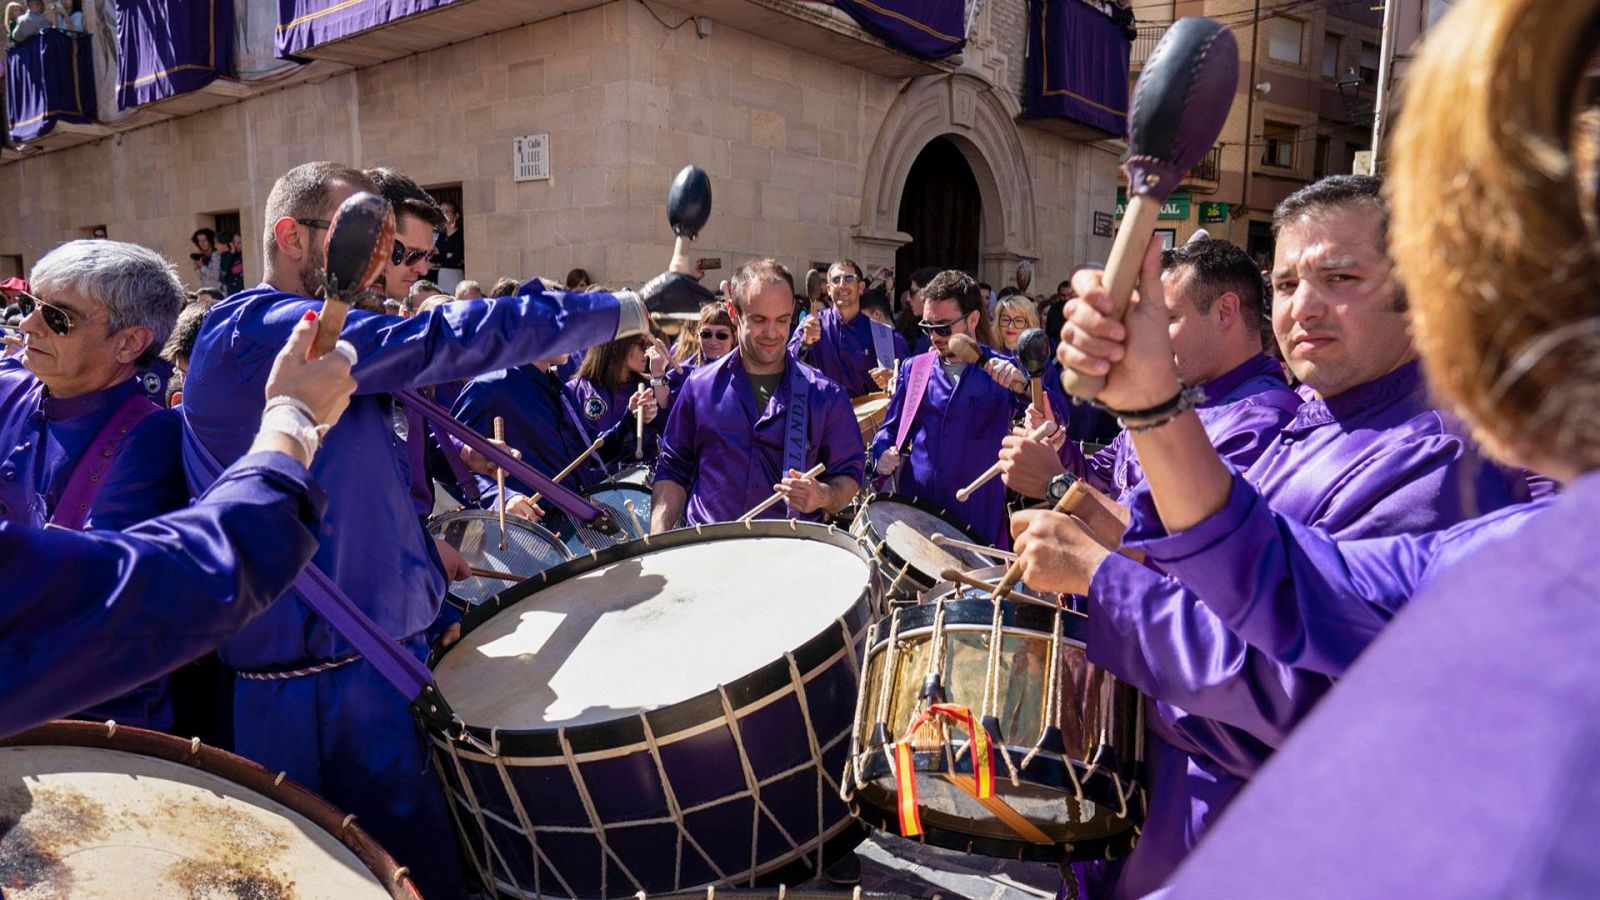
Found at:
<point>795,423</point>
<point>72,510</point>
<point>882,343</point>
<point>921,371</point>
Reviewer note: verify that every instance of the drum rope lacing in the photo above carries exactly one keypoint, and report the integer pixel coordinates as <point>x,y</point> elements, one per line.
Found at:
<point>594,814</point>
<point>753,785</point>
<point>483,828</point>
<point>523,819</point>
<point>845,780</point>
<point>676,811</point>
<point>811,740</point>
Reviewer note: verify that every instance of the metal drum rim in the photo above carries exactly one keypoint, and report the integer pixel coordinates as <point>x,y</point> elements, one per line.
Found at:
<point>895,560</point>
<point>1016,616</point>
<point>519,521</point>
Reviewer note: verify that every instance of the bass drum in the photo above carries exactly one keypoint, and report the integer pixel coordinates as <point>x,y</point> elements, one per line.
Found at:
<point>93,810</point>
<point>475,533</point>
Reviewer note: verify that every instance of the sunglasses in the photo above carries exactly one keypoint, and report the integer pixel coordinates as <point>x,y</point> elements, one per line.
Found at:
<point>404,257</point>
<point>55,318</point>
<point>708,334</point>
<point>940,330</point>
<point>844,279</point>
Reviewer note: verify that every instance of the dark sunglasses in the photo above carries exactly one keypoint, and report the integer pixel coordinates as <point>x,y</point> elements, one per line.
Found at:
<point>846,278</point>
<point>707,334</point>
<point>55,318</point>
<point>940,330</point>
<point>323,224</point>
<point>403,257</point>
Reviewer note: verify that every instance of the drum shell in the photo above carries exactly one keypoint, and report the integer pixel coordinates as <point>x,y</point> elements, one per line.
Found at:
<point>1100,727</point>
<point>870,411</point>
<point>903,581</point>
<point>631,772</point>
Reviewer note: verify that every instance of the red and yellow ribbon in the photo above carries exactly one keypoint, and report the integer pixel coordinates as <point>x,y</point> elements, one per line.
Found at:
<point>906,778</point>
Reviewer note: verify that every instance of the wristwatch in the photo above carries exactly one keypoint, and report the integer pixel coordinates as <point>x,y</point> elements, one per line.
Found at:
<point>1057,488</point>
<point>657,381</point>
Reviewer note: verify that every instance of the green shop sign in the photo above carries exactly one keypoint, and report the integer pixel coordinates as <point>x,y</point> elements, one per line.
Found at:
<point>1176,207</point>
<point>1213,212</point>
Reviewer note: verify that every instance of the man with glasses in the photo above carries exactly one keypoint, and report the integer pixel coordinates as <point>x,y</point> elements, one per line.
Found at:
<point>947,418</point>
<point>339,728</point>
<point>853,350</point>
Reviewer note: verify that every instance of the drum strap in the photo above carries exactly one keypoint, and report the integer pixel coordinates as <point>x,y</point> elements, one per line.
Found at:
<point>72,510</point>
<point>796,422</point>
<point>882,343</point>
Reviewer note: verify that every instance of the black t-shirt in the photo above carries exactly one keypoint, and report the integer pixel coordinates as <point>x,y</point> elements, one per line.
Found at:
<point>762,387</point>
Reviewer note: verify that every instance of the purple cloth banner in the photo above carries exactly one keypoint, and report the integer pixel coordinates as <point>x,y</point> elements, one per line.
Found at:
<point>171,47</point>
<point>928,28</point>
<point>49,79</point>
<point>303,24</point>
<point>1077,66</point>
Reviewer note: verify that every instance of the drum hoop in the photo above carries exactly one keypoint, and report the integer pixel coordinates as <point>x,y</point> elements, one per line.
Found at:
<point>234,769</point>
<point>1110,847</point>
<point>895,560</point>
<point>519,521</point>
<point>1015,616</point>
<point>689,712</point>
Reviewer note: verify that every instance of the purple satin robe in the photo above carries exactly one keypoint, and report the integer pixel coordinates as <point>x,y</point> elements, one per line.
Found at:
<point>604,408</point>
<point>955,436</point>
<point>1245,408</point>
<point>1376,460</point>
<point>845,352</point>
<point>727,454</point>
<point>1456,758</point>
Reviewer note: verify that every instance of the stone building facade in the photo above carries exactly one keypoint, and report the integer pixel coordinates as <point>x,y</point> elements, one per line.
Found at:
<point>807,126</point>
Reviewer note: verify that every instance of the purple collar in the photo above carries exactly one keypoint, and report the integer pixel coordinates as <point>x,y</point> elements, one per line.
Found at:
<point>1220,389</point>
<point>58,410</point>
<point>1362,400</point>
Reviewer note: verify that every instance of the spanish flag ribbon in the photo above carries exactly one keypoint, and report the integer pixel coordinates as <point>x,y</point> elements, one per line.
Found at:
<point>906,779</point>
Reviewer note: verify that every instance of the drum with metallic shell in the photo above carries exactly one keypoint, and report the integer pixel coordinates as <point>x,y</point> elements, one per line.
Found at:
<point>897,529</point>
<point>529,548</point>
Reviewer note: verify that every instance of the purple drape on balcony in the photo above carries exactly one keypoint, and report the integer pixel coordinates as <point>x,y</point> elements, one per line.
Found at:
<point>1077,65</point>
<point>928,28</point>
<point>303,24</point>
<point>49,79</point>
<point>171,47</point>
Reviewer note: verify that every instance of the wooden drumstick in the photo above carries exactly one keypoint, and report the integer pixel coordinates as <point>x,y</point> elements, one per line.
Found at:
<point>945,540</point>
<point>638,431</point>
<point>768,503</point>
<point>500,479</point>
<point>572,466</point>
<point>960,577</point>
<point>634,515</point>
<point>1068,502</point>
<point>1038,434</point>
<point>502,576</point>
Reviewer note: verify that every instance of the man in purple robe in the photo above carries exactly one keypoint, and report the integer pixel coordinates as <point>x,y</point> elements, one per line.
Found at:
<point>755,422</point>
<point>854,350</point>
<point>1366,455</point>
<point>1213,293</point>
<point>947,418</point>
<point>69,400</point>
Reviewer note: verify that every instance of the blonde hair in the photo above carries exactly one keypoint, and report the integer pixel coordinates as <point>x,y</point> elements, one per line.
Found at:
<point>1492,193</point>
<point>1015,303</point>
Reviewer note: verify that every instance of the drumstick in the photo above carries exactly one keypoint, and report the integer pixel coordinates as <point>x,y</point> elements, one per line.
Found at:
<point>634,515</point>
<point>1038,434</point>
<point>500,479</point>
<point>356,249</point>
<point>572,466</point>
<point>1068,502</point>
<point>638,431</point>
<point>945,540</point>
<point>960,577</point>
<point>767,504</point>
<point>502,576</point>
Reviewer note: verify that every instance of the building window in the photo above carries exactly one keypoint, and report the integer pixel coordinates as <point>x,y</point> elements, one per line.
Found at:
<point>1369,63</point>
<point>1331,48</point>
<point>1319,163</point>
<point>1283,40</point>
<point>1278,144</point>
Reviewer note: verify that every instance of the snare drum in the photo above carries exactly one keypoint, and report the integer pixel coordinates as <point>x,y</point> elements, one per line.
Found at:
<point>94,810</point>
<point>897,529</point>
<point>1066,731</point>
<point>629,505</point>
<point>870,410</point>
<point>475,533</point>
<point>661,714</point>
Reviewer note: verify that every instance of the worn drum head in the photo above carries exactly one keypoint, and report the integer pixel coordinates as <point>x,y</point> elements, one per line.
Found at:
<point>904,526</point>
<point>643,626</point>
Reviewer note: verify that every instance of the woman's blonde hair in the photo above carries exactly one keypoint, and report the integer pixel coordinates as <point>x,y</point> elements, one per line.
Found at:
<point>1015,303</point>
<point>715,313</point>
<point>1492,192</point>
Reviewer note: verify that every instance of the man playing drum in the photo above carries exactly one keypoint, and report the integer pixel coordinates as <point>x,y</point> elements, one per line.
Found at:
<point>1364,456</point>
<point>757,421</point>
<point>304,703</point>
<point>854,350</point>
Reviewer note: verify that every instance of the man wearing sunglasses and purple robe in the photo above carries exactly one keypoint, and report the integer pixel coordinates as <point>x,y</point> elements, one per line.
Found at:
<point>304,703</point>
<point>756,422</point>
<point>852,349</point>
<point>945,423</point>
<point>1365,456</point>
<point>101,312</point>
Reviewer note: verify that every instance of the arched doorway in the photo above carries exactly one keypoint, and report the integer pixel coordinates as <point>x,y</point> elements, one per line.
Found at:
<point>941,208</point>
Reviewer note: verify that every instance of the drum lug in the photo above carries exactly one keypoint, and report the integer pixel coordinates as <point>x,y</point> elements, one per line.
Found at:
<point>880,735</point>
<point>1052,742</point>
<point>932,688</point>
<point>991,726</point>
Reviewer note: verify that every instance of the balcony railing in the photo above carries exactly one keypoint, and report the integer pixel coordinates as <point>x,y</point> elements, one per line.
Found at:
<point>1144,42</point>
<point>1208,171</point>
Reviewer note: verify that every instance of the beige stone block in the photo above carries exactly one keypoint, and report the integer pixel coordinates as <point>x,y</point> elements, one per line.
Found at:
<point>804,138</point>
<point>832,144</point>
<point>768,60</point>
<point>647,104</point>
<point>568,70</point>
<point>760,93</point>
<point>767,130</point>
<point>525,79</point>
<point>611,143</point>
<point>779,204</point>
<point>751,163</point>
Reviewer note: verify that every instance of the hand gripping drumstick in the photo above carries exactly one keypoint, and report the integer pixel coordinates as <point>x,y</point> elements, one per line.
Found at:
<point>1179,105</point>
<point>768,503</point>
<point>1068,502</point>
<point>360,239</point>
<point>500,479</point>
<point>572,466</point>
<point>638,431</point>
<point>1044,430</point>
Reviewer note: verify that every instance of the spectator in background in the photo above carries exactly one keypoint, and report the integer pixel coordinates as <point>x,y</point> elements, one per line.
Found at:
<point>12,290</point>
<point>505,287</point>
<point>99,231</point>
<point>231,262</point>
<point>434,302</point>
<point>468,290</point>
<point>578,280</point>
<point>421,289</point>
<point>1012,316</point>
<point>450,255</point>
<point>207,261</point>
<point>875,306</point>
<point>908,320</point>
<point>23,22</point>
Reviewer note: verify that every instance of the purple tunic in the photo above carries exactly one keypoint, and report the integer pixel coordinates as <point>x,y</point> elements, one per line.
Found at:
<point>955,436</point>
<point>1376,460</point>
<point>846,353</point>
<point>603,408</point>
<point>1245,408</point>
<point>1456,758</point>
<point>727,454</point>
